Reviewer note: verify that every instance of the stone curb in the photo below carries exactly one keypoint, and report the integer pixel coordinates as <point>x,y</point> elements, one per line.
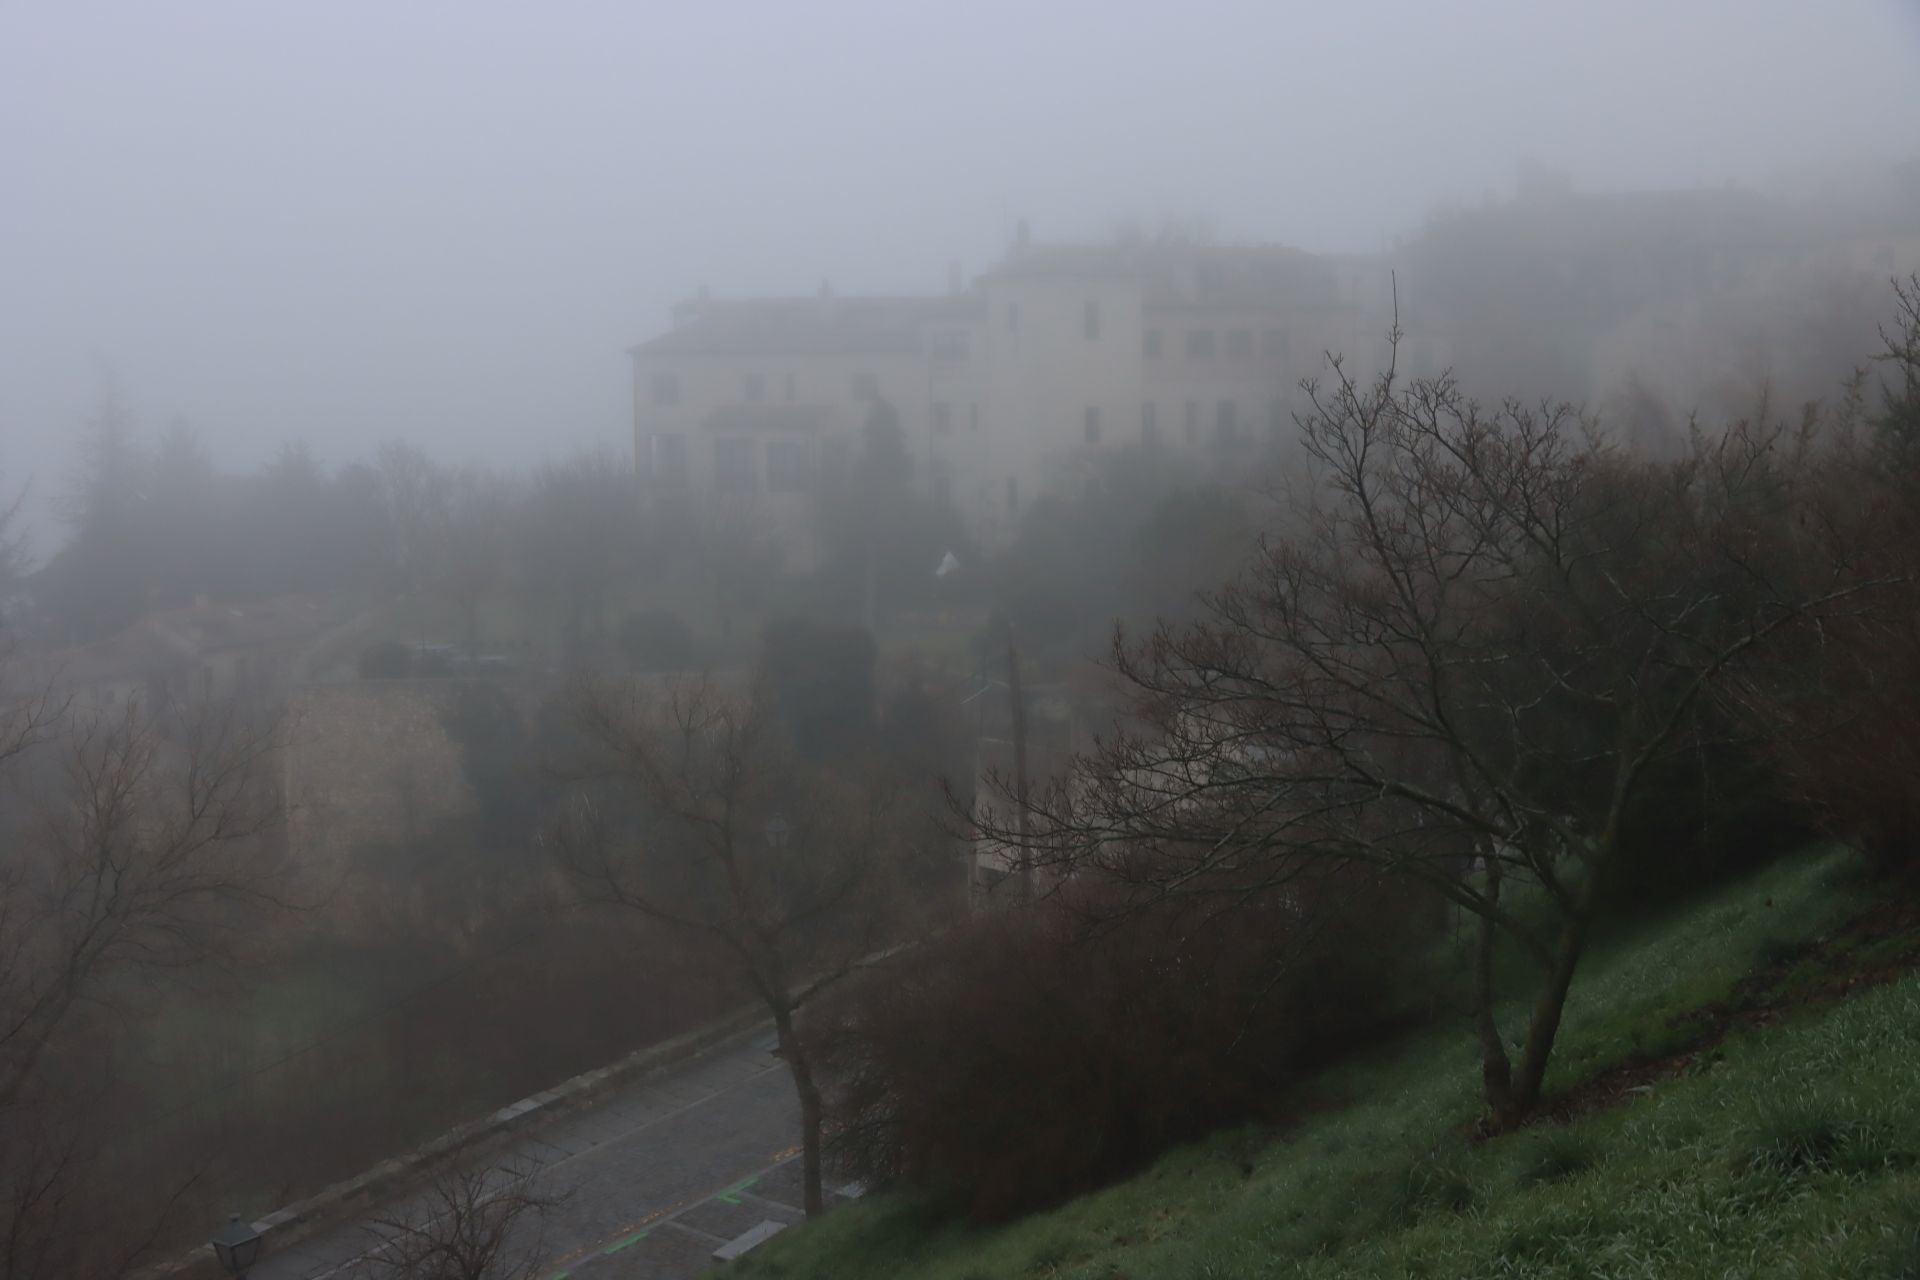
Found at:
<point>333,1205</point>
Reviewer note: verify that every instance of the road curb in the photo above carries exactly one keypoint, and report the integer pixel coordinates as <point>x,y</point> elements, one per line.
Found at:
<point>333,1205</point>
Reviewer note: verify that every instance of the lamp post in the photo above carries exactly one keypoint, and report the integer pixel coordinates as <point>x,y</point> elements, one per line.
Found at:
<point>778,831</point>
<point>237,1245</point>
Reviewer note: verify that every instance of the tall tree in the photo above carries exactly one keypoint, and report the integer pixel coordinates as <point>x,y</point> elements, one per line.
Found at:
<point>99,580</point>
<point>134,847</point>
<point>1465,661</point>
<point>693,810</point>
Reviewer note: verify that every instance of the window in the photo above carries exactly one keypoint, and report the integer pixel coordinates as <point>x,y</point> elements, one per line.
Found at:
<point>666,388</point>
<point>786,466</point>
<point>1273,344</point>
<point>1226,422</point>
<point>1239,344</point>
<point>1092,426</point>
<point>1013,317</point>
<point>1200,344</point>
<point>942,477</point>
<point>733,464</point>
<point>1013,494</point>
<point>942,418</point>
<point>1090,320</point>
<point>865,387</point>
<point>1151,343</point>
<point>1150,424</point>
<point>973,417</point>
<point>1193,421</point>
<point>755,387</point>
<point>670,459</point>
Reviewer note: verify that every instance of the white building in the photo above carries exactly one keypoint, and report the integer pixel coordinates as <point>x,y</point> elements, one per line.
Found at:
<point>1058,351</point>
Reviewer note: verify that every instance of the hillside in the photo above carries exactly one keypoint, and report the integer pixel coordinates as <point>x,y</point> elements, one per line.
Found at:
<point>1734,1098</point>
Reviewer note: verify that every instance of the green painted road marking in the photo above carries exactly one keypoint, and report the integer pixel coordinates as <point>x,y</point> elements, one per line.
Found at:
<point>732,1194</point>
<point>635,1238</point>
<point>559,1275</point>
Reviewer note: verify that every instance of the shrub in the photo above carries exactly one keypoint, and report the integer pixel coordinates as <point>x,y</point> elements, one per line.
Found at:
<point>1034,1054</point>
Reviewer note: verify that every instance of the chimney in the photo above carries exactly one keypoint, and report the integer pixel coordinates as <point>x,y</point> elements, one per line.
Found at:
<point>826,290</point>
<point>1022,238</point>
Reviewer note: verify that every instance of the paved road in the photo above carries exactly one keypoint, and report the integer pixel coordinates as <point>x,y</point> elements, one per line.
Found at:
<point>654,1177</point>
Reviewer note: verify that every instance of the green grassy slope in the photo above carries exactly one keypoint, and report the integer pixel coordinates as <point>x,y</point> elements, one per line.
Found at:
<point>1790,1146</point>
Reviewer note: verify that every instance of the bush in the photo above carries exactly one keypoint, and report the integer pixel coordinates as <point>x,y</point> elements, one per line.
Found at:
<point>658,640</point>
<point>1035,1054</point>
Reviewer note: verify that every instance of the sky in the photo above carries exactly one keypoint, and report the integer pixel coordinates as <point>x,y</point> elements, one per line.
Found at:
<point>346,221</point>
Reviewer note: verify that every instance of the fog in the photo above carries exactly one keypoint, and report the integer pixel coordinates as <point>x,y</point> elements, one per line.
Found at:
<point>632,597</point>
<point>351,222</point>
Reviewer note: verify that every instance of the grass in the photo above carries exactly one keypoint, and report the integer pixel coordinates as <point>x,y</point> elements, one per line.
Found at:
<point>1790,1147</point>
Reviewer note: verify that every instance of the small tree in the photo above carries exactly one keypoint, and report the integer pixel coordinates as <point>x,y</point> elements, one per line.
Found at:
<point>1481,638</point>
<point>473,1224</point>
<point>693,809</point>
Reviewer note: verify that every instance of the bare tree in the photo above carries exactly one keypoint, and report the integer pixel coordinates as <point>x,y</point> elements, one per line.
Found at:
<point>127,843</point>
<point>1481,638</point>
<point>692,809</point>
<point>471,1224</point>
<point>132,855</point>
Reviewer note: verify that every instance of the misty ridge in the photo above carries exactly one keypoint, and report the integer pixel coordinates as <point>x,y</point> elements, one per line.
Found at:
<point>1181,751</point>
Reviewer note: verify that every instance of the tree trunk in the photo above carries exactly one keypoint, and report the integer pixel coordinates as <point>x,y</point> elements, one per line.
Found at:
<point>1017,707</point>
<point>813,1201</point>
<point>1496,1071</point>
<point>1544,1026</point>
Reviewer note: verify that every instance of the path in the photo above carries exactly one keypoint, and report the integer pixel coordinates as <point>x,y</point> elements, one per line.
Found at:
<point>655,1176</point>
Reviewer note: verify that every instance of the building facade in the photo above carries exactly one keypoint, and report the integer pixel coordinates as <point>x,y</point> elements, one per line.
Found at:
<point>1000,389</point>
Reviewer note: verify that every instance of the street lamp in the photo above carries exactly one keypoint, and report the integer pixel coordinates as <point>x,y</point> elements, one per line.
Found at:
<point>237,1245</point>
<point>778,832</point>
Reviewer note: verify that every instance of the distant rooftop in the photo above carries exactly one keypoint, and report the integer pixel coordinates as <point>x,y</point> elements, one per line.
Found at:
<point>808,325</point>
<point>1184,272</point>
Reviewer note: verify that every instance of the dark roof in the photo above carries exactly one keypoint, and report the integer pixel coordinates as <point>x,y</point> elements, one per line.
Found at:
<point>809,326</point>
<point>767,417</point>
